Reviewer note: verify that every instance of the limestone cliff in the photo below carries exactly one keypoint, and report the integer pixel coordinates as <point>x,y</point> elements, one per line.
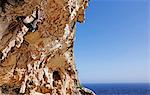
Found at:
<point>36,47</point>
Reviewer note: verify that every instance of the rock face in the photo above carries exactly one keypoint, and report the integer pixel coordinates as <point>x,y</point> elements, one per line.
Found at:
<point>36,47</point>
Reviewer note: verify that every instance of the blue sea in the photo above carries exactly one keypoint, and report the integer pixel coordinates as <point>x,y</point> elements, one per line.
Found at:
<point>120,88</point>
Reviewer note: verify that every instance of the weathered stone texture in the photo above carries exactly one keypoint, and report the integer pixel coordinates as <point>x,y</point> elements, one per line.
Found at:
<point>36,47</point>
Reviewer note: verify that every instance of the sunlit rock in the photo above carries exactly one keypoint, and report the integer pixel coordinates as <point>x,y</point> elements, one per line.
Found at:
<point>36,47</point>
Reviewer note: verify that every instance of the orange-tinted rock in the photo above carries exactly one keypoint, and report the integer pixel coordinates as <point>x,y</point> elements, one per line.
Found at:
<point>36,47</point>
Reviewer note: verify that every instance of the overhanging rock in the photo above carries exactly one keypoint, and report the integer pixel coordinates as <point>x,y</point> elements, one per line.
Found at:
<point>36,47</point>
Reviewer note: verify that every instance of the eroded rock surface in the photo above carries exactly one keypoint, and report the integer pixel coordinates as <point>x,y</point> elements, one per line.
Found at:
<point>36,47</point>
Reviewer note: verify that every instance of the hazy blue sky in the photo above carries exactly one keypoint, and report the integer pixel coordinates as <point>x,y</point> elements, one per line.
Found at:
<point>112,44</point>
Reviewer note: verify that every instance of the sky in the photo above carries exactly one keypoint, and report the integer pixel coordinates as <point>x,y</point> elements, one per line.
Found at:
<point>112,45</point>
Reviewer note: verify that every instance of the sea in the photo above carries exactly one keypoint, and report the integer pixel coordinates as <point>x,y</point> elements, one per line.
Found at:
<point>119,88</point>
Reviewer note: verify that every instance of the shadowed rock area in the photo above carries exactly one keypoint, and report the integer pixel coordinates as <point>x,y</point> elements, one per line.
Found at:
<point>36,47</point>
